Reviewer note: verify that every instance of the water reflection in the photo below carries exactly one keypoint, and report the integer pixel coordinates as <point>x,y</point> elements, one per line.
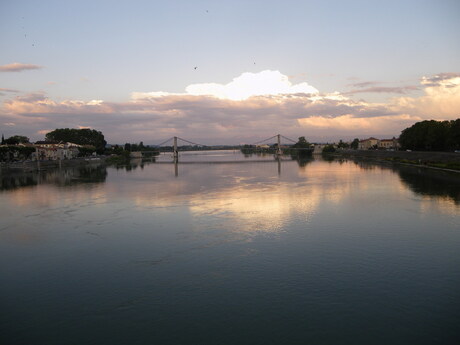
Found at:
<point>425,182</point>
<point>134,163</point>
<point>422,181</point>
<point>294,239</point>
<point>60,177</point>
<point>432,183</point>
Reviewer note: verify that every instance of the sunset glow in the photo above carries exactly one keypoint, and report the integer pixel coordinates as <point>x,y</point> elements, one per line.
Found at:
<point>202,88</point>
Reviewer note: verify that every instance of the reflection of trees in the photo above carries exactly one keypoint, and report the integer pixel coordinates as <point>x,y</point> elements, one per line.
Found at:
<point>134,163</point>
<point>328,158</point>
<point>430,182</point>
<point>92,174</point>
<point>303,161</point>
<point>15,181</point>
<point>421,180</point>
<point>60,177</point>
<point>366,165</point>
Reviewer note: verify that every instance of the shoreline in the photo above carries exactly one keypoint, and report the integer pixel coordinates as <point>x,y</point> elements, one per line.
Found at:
<point>421,159</point>
<point>35,166</point>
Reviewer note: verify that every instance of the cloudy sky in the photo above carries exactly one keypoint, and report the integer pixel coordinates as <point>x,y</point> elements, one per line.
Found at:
<point>228,71</point>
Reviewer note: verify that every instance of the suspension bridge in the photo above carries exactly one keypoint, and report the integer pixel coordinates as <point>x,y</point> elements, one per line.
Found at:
<point>172,145</point>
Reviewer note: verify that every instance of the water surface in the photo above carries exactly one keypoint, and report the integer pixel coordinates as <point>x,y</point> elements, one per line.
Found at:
<point>227,249</point>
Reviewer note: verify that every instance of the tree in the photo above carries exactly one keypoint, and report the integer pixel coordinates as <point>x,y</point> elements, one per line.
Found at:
<point>3,140</point>
<point>342,145</point>
<point>431,136</point>
<point>85,151</point>
<point>16,139</point>
<point>14,152</point>
<point>329,149</point>
<point>83,136</point>
<point>302,143</point>
<point>355,144</point>
<point>453,140</point>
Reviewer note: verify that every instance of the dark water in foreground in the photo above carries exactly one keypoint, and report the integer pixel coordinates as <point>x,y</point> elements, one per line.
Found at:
<point>231,253</point>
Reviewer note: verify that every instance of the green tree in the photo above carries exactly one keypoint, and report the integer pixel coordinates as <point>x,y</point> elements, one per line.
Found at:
<point>453,140</point>
<point>86,150</point>
<point>83,136</point>
<point>342,145</point>
<point>328,149</point>
<point>431,136</point>
<point>16,139</point>
<point>355,144</point>
<point>302,143</point>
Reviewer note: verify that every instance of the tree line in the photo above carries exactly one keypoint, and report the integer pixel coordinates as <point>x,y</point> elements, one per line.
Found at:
<point>84,136</point>
<point>432,136</point>
<point>427,135</point>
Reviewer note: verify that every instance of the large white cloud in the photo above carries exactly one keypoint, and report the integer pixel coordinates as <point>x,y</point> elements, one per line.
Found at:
<point>247,85</point>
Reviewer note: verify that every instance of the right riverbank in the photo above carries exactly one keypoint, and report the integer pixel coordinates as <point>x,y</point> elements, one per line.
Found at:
<point>436,160</point>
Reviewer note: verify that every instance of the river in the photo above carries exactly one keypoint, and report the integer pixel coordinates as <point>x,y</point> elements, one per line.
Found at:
<point>230,249</point>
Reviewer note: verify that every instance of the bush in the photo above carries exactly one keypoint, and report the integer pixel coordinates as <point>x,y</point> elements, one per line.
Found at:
<point>329,149</point>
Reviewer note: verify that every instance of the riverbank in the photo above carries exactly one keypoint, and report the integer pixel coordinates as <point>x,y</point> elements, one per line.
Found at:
<point>31,166</point>
<point>436,160</point>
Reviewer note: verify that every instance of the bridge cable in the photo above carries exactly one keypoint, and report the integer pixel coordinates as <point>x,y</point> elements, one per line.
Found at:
<point>164,142</point>
<point>192,143</point>
<point>265,140</point>
<point>282,136</point>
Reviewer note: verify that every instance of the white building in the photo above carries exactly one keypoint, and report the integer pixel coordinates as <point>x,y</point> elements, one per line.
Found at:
<point>46,150</point>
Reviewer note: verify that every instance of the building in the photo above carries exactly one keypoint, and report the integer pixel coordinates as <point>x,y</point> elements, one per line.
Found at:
<point>378,144</point>
<point>388,144</point>
<point>318,148</point>
<point>50,150</point>
<point>368,144</point>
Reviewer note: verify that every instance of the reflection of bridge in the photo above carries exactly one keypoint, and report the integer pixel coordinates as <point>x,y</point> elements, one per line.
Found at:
<point>171,145</point>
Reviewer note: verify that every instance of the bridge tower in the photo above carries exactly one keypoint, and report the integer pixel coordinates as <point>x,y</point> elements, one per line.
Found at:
<point>175,151</point>
<point>278,150</point>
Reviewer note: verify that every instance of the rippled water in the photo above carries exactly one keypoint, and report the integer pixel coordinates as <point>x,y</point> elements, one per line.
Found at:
<point>226,249</point>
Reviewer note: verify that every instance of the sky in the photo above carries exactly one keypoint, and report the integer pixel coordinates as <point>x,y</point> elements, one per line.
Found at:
<point>228,72</point>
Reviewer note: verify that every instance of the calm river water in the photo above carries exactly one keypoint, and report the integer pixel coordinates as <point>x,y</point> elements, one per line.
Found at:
<point>223,249</point>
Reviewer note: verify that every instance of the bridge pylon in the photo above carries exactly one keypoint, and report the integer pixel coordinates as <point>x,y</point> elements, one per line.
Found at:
<point>278,150</point>
<point>175,151</point>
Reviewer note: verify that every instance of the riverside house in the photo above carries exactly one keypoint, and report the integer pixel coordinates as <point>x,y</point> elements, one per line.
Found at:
<point>368,144</point>
<point>373,143</point>
<point>388,144</point>
<point>51,150</point>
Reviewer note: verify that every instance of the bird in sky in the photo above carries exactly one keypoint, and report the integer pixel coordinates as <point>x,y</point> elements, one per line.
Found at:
<point>196,67</point>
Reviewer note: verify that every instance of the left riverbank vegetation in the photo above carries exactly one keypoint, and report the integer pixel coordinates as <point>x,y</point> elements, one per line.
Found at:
<point>68,144</point>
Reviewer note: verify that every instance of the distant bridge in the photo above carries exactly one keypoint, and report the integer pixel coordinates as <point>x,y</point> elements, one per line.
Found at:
<point>171,144</point>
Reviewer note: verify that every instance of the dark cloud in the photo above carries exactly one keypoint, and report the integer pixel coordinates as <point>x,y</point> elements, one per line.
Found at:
<point>31,97</point>
<point>8,90</point>
<point>365,84</point>
<point>202,116</point>
<point>384,89</point>
<point>437,79</point>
